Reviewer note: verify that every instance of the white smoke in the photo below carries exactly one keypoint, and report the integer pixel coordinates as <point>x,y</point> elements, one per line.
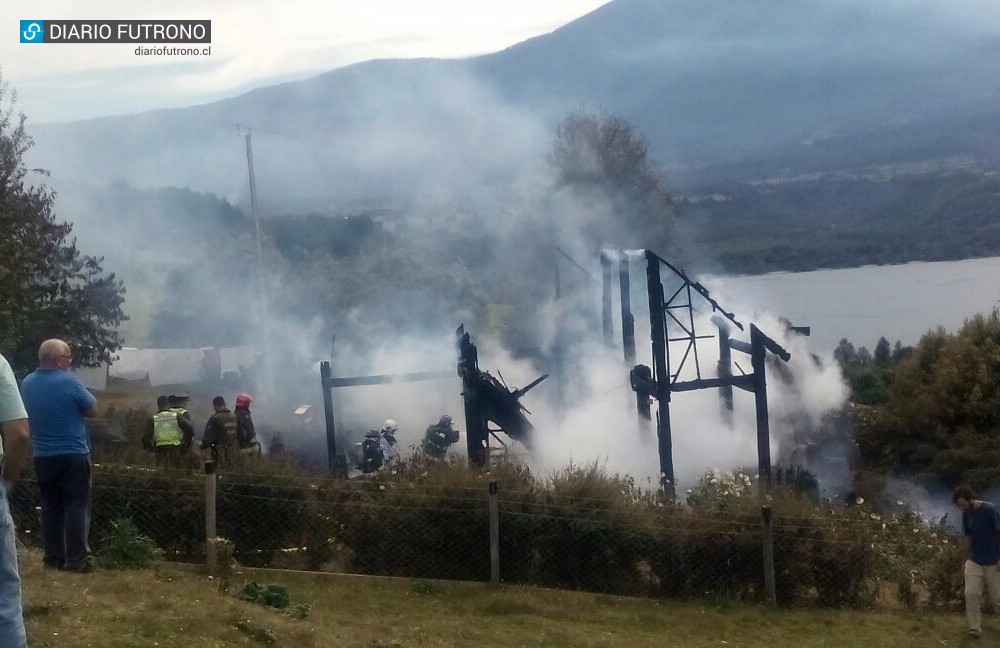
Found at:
<point>601,422</point>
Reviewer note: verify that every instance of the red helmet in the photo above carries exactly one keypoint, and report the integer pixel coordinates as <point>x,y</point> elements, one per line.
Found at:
<point>243,399</point>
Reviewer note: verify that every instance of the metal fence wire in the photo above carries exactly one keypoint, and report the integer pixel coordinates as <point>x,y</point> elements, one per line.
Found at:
<point>822,556</point>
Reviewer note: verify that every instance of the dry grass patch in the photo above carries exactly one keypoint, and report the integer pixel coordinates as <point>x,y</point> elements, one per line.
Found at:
<point>161,607</point>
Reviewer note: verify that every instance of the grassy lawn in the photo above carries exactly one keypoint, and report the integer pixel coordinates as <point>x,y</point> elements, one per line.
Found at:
<point>163,607</point>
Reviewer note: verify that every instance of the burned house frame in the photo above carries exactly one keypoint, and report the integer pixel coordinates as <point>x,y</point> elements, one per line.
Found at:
<point>673,324</point>
<point>486,398</point>
<point>672,321</point>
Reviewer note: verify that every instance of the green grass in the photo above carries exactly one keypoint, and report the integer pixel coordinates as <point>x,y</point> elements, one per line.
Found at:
<point>161,607</point>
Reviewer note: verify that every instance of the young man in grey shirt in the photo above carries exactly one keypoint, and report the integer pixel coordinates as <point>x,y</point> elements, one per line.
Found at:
<point>14,452</point>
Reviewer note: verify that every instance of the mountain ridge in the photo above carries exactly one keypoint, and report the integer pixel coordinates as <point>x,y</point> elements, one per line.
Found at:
<point>717,87</point>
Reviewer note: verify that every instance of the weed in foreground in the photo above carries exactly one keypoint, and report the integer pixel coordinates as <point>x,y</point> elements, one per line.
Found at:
<point>274,596</point>
<point>124,546</point>
<point>256,631</point>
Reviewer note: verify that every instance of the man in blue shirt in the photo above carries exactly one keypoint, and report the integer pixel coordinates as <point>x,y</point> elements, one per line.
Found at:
<point>981,525</point>
<point>13,452</point>
<point>57,403</point>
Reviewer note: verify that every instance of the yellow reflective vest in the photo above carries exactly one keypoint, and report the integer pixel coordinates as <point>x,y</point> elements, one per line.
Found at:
<point>166,432</point>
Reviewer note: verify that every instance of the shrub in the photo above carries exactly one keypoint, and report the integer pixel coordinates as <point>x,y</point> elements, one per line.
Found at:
<point>579,528</point>
<point>123,546</point>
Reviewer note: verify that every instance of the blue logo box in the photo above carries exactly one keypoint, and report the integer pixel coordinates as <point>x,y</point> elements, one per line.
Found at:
<point>32,31</point>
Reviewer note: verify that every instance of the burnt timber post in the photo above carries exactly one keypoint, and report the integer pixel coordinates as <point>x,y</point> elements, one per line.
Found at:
<point>476,429</point>
<point>628,322</point>
<point>661,372</point>
<point>337,464</point>
<point>758,349</point>
<point>759,345</point>
<point>609,335</point>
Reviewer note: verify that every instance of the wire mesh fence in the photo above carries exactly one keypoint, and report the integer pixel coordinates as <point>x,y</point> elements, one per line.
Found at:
<point>621,543</point>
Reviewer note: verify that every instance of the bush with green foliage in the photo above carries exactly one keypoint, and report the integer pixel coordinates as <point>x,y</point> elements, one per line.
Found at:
<point>579,528</point>
<point>940,421</point>
<point>125,546</point>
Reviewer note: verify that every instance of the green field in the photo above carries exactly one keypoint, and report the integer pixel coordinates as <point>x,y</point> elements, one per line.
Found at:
<point>164,607</point>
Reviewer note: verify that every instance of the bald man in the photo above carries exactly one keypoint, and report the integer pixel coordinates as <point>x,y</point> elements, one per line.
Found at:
<point>57,403</point>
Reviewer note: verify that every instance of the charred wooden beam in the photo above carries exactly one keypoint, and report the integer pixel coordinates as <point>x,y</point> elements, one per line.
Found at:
<point>385,379</point>
<point>743,382</point>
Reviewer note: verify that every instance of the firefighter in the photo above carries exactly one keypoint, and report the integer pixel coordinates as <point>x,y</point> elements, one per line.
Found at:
<point>439,437</point>
<point>372,455</point>
<point>220,431</point>
<point>390,447</point>
<point>246,436</point>
<point>178,405</point>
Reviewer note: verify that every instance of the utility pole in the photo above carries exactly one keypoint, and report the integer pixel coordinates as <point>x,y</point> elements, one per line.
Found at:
<point>256,218</point>
<point>261,301</point>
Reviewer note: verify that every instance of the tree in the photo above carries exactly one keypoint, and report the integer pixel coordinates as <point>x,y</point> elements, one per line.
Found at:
<point>883,352</point>
<point>940,423</point>
<point>845,353</point>
<point>603,155</point>
<point>47,287</point>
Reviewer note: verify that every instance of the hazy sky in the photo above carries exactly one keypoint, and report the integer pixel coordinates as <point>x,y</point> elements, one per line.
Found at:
<point>254,43</point>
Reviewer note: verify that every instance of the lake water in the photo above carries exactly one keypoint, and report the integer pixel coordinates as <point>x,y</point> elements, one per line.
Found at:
<point>900,302</point>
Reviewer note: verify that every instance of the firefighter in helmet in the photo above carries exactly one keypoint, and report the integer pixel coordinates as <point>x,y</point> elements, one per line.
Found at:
<point>372,456</point>
<point>390,446</point>
<point>246,436</point>
<point>439,437</point>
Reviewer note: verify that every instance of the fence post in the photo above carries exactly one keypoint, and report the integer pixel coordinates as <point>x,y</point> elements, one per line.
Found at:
<point>210,532</point>
<point>768,535</point>
<point>494,533</point>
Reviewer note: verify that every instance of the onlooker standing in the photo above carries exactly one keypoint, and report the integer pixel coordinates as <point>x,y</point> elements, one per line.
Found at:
<point>14,445</point>
<point>220,431</point>
<point>57,403</point>
<point>981,525</point>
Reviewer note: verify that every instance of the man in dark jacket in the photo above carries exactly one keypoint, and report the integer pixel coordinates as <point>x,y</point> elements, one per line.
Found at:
<point>220,431</point>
